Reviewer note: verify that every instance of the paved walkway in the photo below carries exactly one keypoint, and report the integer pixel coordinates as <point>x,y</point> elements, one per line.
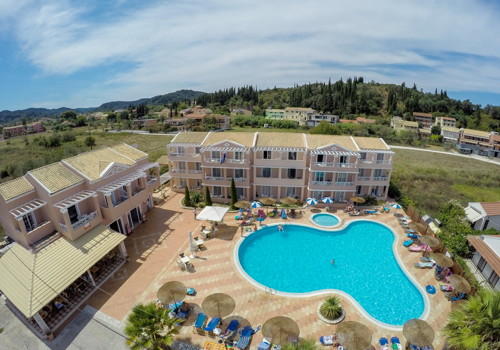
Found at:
<point>155,245</point>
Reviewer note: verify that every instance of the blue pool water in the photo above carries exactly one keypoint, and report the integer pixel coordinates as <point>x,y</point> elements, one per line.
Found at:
<point>325,219</point>
<point>298,260</point>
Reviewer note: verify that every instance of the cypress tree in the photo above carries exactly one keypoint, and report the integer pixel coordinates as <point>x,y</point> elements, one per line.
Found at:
<point>234,196</point>
<point>187,197</point>
<point>208,200</point>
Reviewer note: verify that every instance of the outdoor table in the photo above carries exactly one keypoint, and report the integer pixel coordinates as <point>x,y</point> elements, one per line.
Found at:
<point>217,331</point>
<point>185,260</point>
<point>210,345</point>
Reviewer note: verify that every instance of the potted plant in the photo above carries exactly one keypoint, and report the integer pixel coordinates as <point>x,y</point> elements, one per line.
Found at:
<point>330,310</point>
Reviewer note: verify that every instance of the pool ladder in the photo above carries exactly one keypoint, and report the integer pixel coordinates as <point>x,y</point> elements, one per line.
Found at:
<point>270,290</point>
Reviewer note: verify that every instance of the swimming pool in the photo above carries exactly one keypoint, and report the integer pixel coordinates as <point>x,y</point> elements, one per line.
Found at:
<point>325,219</point>
<point>299,260</point>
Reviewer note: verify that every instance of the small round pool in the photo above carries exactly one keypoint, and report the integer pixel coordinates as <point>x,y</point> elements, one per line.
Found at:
<point>325,220</point>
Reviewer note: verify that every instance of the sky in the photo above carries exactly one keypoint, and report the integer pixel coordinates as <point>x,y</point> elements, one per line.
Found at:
<point>61,53</point>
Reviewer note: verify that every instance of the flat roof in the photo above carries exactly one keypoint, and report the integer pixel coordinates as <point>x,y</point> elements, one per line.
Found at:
<point>55,177</point>
<point>32,280</point>
<point>190,137</point>
<point>243,138</point>
<point>285,139</point>
<point>14,188</point>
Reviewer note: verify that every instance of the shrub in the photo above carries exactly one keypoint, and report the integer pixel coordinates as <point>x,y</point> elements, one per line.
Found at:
<point>331,308</point>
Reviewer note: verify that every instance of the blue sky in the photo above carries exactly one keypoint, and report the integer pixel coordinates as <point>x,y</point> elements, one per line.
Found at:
<point>83,53</point>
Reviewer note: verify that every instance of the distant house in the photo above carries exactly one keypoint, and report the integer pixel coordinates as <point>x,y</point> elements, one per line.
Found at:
<point>315,119</point>
<point>483,215</point>
<point>423,118</point>
<point>399,124</point>
<point>495,146</point>
<point>486,258</point>
<point>275,113</point>
<point>296,114</point>
<point>445,122</point>
<point>474,141</point>
<point>450,134</point>
<point>144,123</point>
<point>424,132</point>
<point>18,130</point>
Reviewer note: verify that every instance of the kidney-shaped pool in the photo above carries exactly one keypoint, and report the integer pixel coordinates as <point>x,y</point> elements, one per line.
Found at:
<point>299,260</point>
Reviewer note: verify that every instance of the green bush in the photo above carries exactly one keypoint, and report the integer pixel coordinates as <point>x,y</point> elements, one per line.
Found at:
<point>331,308</point>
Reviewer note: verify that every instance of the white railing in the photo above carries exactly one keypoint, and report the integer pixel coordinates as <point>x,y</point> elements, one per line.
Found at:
<point>176,154</point>
<point>346,165</point>
<point>214,178</point>
<point>85,219</point>
<point>363,178</point>
<point>383,162</point>
<point>344,183</point>
<point>321,183</point>
<point>212,160</point>
<point>236,161</point>
<point>152,180</point>
<point>380,178</point>
<point>178,171</point>
<point>238,179</point>
<point>324,164</point>
<point>366,161</point>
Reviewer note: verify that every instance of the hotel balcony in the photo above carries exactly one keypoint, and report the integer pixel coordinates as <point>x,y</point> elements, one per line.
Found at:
<point>186,173</point>
<point>325,166</point>
<point>184,156</point>
<point>83,221</point>
<point>380,178</point>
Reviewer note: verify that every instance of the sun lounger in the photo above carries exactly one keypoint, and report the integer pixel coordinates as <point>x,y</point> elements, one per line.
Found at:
<point>384,344</point>
<point>199,242</point>
<point>264,344</point>
<point>412,235</point>
<point>245,336</point>
<point>199,323</point>
<point>424,265</point>
<point>354,213</point>
<point>446,287</point>
<point>283,214</point>
<point>408,243</point>
<point>374,211</point>
<point>418,248</point>
<point>214,322</point>
<point>328,339</point>
<point>396,344</point>
<point>426,259</point>
<point>231,328</point>
<point>457,297</point>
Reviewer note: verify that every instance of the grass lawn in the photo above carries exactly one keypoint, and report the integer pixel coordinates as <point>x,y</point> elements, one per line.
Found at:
<point>432,179</point>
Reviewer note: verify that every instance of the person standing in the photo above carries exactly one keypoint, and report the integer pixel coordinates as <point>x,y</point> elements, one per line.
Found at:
<point>194,212</point>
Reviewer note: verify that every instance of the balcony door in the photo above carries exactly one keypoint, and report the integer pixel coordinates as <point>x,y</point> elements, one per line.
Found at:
<point>319,176</point>
<point>29,221</point>
<point>73,213</point>
<point>117,226</point>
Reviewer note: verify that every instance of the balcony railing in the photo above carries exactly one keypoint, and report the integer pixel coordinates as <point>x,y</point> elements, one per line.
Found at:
<point>383,161</point>
<point>185,171</point>
<point>84,220</point>
<point>212,160</point>
<point>324,164</point>
<point>344,183</point>
<point>238,179</point>
<point>380,178</point>
<point>214,178</point>
<point>322,183</point>
<point>236,161</point>
<point>363,178</point>
<point>346,165</point>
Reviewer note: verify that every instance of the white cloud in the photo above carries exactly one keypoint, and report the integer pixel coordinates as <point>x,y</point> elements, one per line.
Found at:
<point>206,45</point>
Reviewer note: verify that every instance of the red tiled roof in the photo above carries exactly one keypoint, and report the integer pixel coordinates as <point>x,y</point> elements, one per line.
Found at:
<point>486,252</point>
<point>448,118</point>
<point>418,114</point>
<point>348,121</point>
<point>491,208</point>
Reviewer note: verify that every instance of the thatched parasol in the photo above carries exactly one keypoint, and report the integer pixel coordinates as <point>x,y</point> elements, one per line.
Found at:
<point>171,292</point>
<point>429,241</point>
<point>242,321</point>
<point>459,283</point>
<point>267,201</point>
<point>242,204</point>
<point>288,201</point>
<point>418,332</point>
<point>218,305</point>
<point>442,260</point>
<point>418,226</point>
<point>281,330</point>
<point>356,199</point>
<point>354,335</point>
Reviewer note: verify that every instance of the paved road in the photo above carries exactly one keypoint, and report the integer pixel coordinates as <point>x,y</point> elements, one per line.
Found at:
<point>91,329</point>
<point>468,156</point>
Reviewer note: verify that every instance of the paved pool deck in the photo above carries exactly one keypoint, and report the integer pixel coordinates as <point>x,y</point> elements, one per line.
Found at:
<point>153,249</point>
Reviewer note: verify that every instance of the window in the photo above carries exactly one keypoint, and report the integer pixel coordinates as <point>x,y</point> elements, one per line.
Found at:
<point>362,156</point>
<point>291,173</point>
<point>378,173</point>
<point>380,156</point>
<point>238,155</point>
<point>493,279</point>
<point>358,190</point>
<point>481,264</point>
<point>198,166</point>
<point>216,155</point>
<point>197,150</point>
<point>361,172</point>
<point>374,191</point>
<point>343,160</point>
<point>238,173</point>
<point>317,194</point>
<point>182,165</point>
<point>339,196</point>
<point>319,176</point>
<point>267,155</point>
<point>266,172</point>
<point>180,150</point>
<point>266,191</point>
<point>320,158</point>
<point>240,192</point>
<point>216,172</point>
<point>217,191</point>
<point>292,155</point>
<point>342,177</point>
<point>290,192</point>
<point>29,221</point>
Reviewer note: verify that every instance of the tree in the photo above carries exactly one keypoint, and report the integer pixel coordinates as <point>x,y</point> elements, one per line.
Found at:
<point>150,327</point>
<point>208,200</point>
<point>476,325</point>
<point>68,115</point>
<point>303,344</point>
<point>436,130</point>
<point>187,197</point>
<point>90,141</point>
<point>234,196</point>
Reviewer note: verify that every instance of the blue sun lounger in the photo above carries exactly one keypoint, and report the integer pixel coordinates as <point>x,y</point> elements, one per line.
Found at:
<point>283,213</point>
<point>212,324</point>
<point>245,336</point>
<point>412,235</point>
<point>396,344</point>
<point>231,328</point>
<point>199,323</point>
<point>408,243</point>
<point>384,344</point>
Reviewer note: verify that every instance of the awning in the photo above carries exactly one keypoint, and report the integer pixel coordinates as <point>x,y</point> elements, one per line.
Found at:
<point>472,215</point>
<point>212,214</point>
<point>32,280</point>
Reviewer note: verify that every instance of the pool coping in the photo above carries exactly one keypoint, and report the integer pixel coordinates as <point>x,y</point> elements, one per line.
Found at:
<point>333,227</point>
<point>423,316</point>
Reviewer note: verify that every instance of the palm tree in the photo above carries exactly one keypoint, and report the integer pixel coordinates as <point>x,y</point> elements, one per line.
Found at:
<point>303,344</point>
<point>476,325</point>
<point>331,308</point>
<point>150,327</point>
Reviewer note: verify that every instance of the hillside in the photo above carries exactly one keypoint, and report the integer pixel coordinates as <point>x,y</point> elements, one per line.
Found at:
<point>8,117</point>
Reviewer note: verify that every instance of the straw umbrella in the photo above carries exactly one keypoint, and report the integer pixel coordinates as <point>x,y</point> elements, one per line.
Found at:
<point>242,204</point>
<point>354,335</point>
<point>359,200</point>
<point>288,201</point>
<point>267,202</point>
<point>418,226</point>
<point>418,332</point>
<point>171,292</point>
<point>281,330</point>
<point>218,305</point>
<point>459,283</point>
<point>442,260</point>
<point>242,321</point>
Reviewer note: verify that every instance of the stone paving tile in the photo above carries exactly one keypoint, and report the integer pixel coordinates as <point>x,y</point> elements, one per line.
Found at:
<point>154,247</point>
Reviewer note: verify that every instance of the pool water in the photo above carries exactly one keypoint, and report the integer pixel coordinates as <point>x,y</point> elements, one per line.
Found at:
<point>299,260</point>
<point>325,220</point>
